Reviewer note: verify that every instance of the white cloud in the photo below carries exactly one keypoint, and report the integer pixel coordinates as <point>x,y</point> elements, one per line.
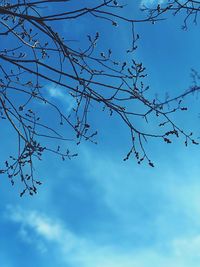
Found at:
<point>81,251</point>
<point>127,193</point>
<point>42,225</point>
<point>61,95</point>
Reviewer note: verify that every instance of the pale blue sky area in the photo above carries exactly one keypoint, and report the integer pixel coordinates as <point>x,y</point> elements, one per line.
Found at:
<point>99,211</point>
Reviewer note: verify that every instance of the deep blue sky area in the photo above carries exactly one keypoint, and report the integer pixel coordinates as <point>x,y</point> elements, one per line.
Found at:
<point>97,210</point>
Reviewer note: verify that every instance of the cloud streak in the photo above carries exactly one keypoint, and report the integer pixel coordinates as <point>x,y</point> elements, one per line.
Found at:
<point>57,93</point>
<point>79,250</point>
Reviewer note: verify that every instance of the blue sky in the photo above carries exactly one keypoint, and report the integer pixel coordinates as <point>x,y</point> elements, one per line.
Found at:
<point>97,210</point>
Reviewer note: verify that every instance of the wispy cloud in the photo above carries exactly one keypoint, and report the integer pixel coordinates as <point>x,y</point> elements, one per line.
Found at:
<point>71,248</point>
<point>61,95</point>
<point>162,210</point>
<point>79,250</point>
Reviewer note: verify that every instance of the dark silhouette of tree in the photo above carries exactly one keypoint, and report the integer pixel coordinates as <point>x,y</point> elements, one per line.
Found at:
<point>188,8</point>
<point>35,52</point>
<point>189,11</point>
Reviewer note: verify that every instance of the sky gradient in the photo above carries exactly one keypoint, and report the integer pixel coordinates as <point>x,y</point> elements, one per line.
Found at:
<point>97,210</point>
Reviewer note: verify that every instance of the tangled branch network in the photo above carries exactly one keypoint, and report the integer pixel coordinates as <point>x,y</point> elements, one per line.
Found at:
<point>35,52</point>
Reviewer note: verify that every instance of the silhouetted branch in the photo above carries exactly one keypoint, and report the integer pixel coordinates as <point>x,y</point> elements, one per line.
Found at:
<point>38,54</point>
